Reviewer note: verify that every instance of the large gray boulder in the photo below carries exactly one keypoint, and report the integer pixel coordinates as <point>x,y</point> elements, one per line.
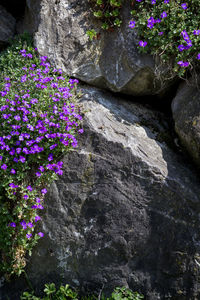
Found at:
<point>186,114</point>
<point>112,62</point>
<point>125,212</point>
<point>7,26</point>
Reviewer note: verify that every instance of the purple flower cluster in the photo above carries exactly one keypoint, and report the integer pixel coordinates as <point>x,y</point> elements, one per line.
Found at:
<point>151,21</point>
<point>37,123</point>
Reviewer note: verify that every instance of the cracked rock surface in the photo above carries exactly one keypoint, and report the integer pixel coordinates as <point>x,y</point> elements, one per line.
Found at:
<point>125,212</point>
<point>7,26</point>
<point>111,62</point>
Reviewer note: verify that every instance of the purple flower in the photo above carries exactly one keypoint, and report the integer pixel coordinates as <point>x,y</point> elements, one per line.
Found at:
<point>30,225</point>
<point>29,188</point>
<point>29,235</point>
<point>185,35</point>
<point>40,206</point>
<point>18,150</point>
<point>23,51</point>
<point>132,24</point>
<point>26,197</point>
<point>163,15</point>
<point>44,191</point>
<point>184,5</point>
<point>153,1</point>
<point>53,146</point>
<point>34,206</point>
<point>38,200</point>
<point>12,152</point>
<point>34,101</point>
<point>50,157</point>
<point>80,131</point>
<point>196,32</point>
<point>6,116</point>
<point>24,225</point>
<point>41,168</point>
<point>12,224</point>
<point>43,58</point>
<point>37,218</point>
<point>13,186</point>
<point>4,167</point>
<point>41,234</point>
<point>22,159</point>
<point>25,150</point>
<point>29,55</point>
<point>59,172</point>
<point>12,171</point>
<point>198,56</point>
<point>3,93</point>
<point>183,64</point>
<point>160,33</point>
<point>166,1</point>
<point>181,47</point>
<point>17,118</point>
<point>30,127</point>
<point>38,174</point>
<point>23,78</point>
<point>142,43</point>
<point>150,22</point>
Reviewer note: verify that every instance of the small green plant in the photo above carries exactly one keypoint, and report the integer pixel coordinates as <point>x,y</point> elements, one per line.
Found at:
<point>124,293</point>
<point>108,12</point>
<point>63,293</point>
<point>39,124</point>
<point>92,34</point>
<point>66,293</point>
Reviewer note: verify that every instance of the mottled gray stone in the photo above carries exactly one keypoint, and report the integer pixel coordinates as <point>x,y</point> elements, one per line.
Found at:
<point>112,62</point>
<point>186,114</point>
<point>7,26</point>
<point>125,212</point>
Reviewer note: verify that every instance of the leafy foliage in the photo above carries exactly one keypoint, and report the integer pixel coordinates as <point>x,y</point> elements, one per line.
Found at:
<point>66,293</point>
<point>108,12</point>
<point>171,31</point>
<point>39,124</point>
<point>167,29</point>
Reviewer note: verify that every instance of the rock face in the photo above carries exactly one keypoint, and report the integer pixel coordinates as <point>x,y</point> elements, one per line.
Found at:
<point>186,114</point>
<point>7,26</point>
<point>112,62</point>
<point>125,212</point>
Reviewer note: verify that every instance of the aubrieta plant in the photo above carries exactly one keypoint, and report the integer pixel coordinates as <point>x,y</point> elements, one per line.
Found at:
<point>170,30</point>
<point>39,123</point>
<point>167,29</point>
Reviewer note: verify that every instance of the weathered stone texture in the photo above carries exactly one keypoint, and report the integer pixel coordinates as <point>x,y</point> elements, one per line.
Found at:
<point>7,26</point>
<point>186,114</point>
<point>125,212</point>
<point>112,62</point>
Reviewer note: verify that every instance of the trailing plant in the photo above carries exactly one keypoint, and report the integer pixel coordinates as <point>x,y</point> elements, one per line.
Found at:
<point>66,293</point>
<point>39,123</point>
<point>167,29</point>
<point>170,30</point>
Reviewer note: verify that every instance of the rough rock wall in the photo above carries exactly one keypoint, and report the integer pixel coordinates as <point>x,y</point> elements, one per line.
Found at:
<point>112,62</point>
<point>186,114</point>
<point>7,26</point>
<point>125,212</point>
